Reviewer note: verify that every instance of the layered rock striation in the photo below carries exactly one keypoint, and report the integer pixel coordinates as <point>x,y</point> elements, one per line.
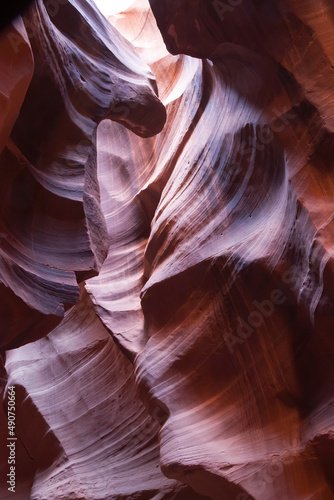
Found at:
<point>54,232</point>
<point>167,296</point>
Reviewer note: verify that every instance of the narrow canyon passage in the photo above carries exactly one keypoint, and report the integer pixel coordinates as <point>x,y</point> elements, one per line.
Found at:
<point>166,250</point>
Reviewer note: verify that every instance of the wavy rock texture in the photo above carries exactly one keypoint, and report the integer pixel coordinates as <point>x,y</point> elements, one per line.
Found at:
<point>81,423</point>
<point>232,334</point>
<point>53,230</point>
<point>215,300</point>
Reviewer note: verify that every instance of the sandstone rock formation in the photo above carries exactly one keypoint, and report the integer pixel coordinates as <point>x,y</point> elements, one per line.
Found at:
<point>167,295</point>
<point>55,231</point>
<point>11,10</point>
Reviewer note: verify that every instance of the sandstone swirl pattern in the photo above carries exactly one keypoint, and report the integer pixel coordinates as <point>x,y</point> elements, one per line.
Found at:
<point>197,361</point>
<point>53,230</point>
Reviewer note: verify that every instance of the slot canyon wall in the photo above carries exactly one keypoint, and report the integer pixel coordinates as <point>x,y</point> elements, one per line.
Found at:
<point>166,251</point>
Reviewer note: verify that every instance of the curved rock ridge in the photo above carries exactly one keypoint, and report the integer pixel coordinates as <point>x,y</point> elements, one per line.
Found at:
<point>10,11</point>
<point>81,427</point>
<point>132,173</point>
<point>234,224</point>
<point>297,35</point>
<point>53,232</point>
<point>16,80</point>
<point>198,363</point>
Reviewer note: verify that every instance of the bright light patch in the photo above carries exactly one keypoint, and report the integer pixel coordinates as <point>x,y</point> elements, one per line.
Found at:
<point>111,7</point>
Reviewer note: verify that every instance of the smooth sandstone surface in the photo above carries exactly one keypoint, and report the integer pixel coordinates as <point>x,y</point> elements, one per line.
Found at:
<point>167,263</point>
<point>53,230</point>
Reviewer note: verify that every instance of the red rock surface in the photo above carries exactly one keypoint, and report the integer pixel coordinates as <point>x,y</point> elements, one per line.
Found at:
<point>167,301</point>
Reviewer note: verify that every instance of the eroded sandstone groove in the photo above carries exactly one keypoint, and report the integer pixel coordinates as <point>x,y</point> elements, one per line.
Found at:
<point>167,263</point>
